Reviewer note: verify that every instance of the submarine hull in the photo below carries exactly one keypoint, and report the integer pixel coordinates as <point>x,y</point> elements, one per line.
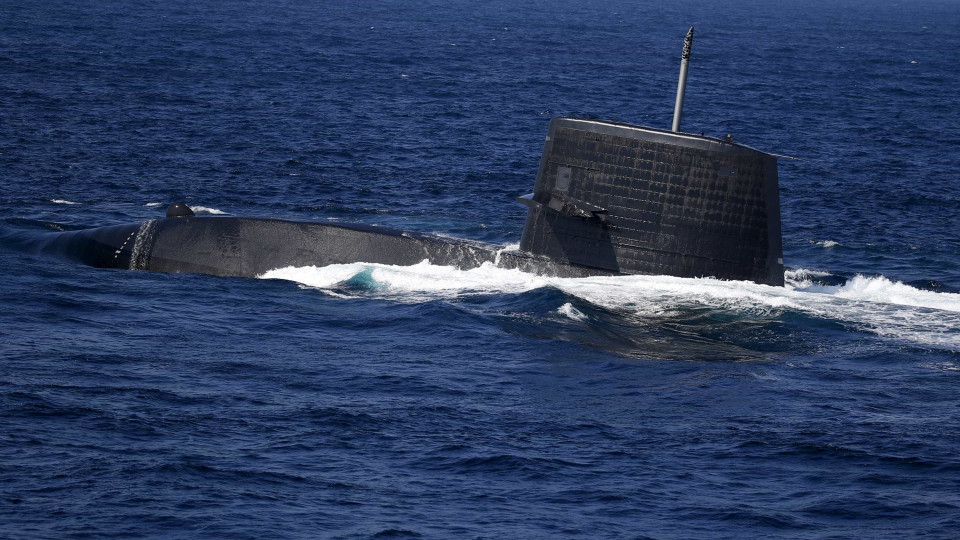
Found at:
<point>250,247</point>
<point>608,199</point>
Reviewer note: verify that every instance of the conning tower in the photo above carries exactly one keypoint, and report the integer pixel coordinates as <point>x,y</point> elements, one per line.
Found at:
<point>637,200</point>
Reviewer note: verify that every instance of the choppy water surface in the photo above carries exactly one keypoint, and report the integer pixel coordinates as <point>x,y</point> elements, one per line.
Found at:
<point>362,400</point>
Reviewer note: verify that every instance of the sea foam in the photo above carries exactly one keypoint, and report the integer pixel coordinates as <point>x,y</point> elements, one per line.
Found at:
<point>206,210</point>
<point>874,304</point>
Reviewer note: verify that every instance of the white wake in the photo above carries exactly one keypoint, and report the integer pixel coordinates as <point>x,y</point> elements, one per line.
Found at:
<point>875,304</point>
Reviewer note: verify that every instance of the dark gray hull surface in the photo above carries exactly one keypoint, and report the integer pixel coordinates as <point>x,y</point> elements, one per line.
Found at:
<point>249,247</point>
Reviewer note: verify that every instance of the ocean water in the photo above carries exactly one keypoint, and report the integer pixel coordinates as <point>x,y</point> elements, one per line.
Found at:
<point>369,401</point>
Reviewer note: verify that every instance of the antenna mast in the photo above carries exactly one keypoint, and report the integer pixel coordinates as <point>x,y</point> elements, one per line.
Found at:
<point>682,84</point>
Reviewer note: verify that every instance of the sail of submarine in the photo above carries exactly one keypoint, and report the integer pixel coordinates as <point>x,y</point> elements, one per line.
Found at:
<point>608,199</point>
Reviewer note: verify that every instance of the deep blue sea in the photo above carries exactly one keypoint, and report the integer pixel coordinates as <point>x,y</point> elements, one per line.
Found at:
<point>369,401</point>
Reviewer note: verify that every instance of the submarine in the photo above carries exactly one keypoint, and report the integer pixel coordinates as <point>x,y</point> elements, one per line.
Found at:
<point>608,199</point>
